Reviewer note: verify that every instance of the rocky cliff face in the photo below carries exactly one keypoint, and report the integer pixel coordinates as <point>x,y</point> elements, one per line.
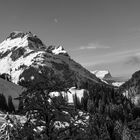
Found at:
<point>28,60</point>
<point>131,88</point>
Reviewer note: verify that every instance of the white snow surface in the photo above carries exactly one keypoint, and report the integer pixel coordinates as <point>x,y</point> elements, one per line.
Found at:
<point>100,73</point>
<point>117,84</point>
<point>58,50</point>
<point>12,67</point>
<point>80,119</point>
<point>10,43</point>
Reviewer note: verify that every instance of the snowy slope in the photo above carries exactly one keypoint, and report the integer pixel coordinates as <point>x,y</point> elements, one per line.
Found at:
<point>26,59</point>
<point>10,89</point>
<point>117,84</point>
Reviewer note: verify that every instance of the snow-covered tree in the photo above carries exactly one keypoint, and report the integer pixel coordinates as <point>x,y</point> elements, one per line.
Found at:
<point>11,128</point>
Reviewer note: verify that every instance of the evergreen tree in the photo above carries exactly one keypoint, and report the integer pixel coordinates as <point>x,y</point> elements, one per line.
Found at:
<point>11,107</point>
<point>20,106</point>
<point>3,103</point>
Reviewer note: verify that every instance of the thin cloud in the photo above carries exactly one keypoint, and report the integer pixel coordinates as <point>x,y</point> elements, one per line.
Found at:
<point>56,20</point>
<point>123,53</point>
<point>94,46</point>
<point>129,57</point>
<point>134,59</point>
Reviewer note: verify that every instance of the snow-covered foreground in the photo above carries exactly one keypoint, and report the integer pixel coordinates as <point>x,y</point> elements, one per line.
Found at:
<point>22,119</point>
<point>80,119</point>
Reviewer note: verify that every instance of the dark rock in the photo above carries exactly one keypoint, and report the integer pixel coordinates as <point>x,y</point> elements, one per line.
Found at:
<point>15,34</point>
<point>17,53</point>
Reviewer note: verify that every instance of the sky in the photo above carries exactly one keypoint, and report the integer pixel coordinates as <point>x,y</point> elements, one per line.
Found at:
<point>99,34</point>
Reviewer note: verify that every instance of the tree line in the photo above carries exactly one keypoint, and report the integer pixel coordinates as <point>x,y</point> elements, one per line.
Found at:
<point>6,105</point>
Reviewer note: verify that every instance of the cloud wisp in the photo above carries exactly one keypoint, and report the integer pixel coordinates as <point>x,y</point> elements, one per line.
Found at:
<point>94,46</point>
<point>127,58</point>
<point>55,20</point>
<point>134,60</point>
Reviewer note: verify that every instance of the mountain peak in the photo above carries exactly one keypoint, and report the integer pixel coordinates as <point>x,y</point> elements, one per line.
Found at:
<point>16,38</point>
<point>22,43</point>
<point>27,59</point>
<point>21,34</point>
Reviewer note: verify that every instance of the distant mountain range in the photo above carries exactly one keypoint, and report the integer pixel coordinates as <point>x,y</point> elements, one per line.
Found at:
<point>106,77</point>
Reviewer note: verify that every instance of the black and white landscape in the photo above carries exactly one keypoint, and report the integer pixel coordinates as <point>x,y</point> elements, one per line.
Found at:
<point>69,70</point>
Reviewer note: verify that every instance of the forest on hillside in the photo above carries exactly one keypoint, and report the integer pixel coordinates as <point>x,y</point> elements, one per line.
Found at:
<point>104,115</point>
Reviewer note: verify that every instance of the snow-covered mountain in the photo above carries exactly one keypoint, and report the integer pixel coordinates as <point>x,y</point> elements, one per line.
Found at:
<point>102,74</point>
<point>107,78</point>
<point>28,60</point>
<point>117,84</point>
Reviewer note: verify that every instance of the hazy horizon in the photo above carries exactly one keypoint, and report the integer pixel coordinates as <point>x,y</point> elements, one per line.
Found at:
<point>98,34</point>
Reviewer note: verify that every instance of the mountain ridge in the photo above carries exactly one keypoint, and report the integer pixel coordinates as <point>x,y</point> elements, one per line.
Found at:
<point>28,59</point>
